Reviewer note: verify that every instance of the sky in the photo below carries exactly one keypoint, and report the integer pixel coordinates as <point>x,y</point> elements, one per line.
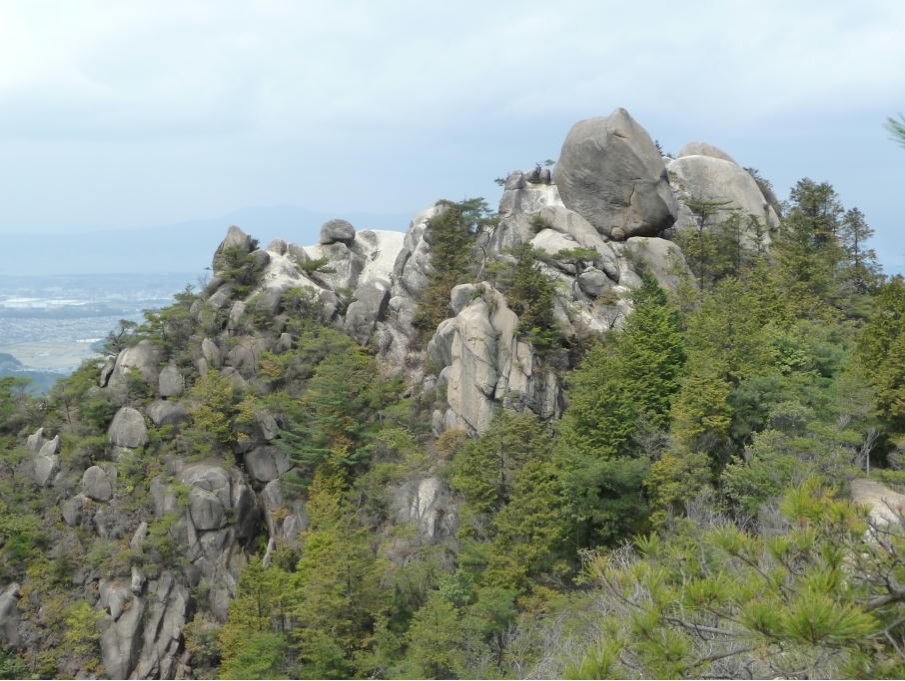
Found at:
<point>122,115</point>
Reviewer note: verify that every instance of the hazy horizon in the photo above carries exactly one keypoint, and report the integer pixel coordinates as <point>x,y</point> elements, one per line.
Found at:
<point>144,114</point>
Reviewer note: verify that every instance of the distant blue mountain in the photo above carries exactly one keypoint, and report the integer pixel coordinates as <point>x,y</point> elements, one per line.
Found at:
<point>181,247</point>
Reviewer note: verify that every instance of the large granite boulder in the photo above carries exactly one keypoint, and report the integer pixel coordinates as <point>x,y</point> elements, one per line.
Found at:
<point>73,509</point>
<point>171,382</point>
<point>46,463</point>
<point>142,360</point>
<point>166,413</point>
<point>704,149</point>
<point>610,172</point>
<point>487,365</point>
<point>716,178</point>
<point>128,429</point>
<point>661,258</point>
<point>266,463</point>
<point>337,231</point>
<point>211,353</point>
<point>97,483</point>
<point>236,240</point>
<point>369,306</point>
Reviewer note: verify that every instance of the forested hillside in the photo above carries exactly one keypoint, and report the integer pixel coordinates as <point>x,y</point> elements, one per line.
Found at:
<point>575,437</point>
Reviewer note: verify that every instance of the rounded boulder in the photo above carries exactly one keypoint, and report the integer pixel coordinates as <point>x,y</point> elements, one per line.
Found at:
<point>610,173</point>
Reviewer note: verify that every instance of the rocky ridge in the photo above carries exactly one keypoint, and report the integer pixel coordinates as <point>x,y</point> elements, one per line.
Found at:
<point>598,223</point>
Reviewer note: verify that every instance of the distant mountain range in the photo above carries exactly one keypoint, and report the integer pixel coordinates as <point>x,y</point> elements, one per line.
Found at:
<point>181,247</point>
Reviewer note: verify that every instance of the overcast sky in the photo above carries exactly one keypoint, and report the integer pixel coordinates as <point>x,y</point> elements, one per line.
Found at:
<point>128,114</point>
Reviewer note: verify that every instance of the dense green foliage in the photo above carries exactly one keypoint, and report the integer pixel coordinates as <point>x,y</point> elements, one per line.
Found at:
<point>620,403</point>
<point>687,516</point>
<point>453,236</point>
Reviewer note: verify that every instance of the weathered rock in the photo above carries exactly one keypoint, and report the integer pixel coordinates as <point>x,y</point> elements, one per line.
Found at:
<point>163,497</point>
<point>35,441</point>
<point>137,581</point>
<point>337,231</point>
<point>141,359</point>
<point>121,642</point>
<point>552,242</point>
<point>343,270</point>
<point>220,298</point>
<point>236,314</point>
<point>140,534</point>
<point>211,353</point>
<point>427,503</point>
<point>699,179</point>
<point>283,520</point>
<point>45,468</point>
<point>462,295</point>
<point>295,523</point>
<point>171,382</point>
<point>267,425</point>
<point>128,428</point>
<point>594,282</point>
<point>521,197</point>
<point>283,344</point>
<point>9,616</point>
<point>406,278</point>
<point>663,259</point>
<point>297,254</point>
<point>73,510</point>
<point>245,355</point>
<point>272,501</point>
<point>611,173</point>
<point>245,509</point>
<point>267,303</point>
<point>260,259</point>
<point>114,597</point>
<point>165,413</point>
<point>97,483</point>
<point>235,239</point>
<point>486,365</point>
<point>106,372</point>
<point>50,447</point>
<point>704,149</point>
<point>110,522</point>
<point>163,629</point>
<point>206,510</point>
<point>277,247</point>
<point>413,261</point>
<point>267,463</point>
<point>369,306</point>
<point>571,223</point>
<point>208,477</point>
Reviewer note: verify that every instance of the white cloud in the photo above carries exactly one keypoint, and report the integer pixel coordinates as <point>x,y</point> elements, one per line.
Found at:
<point>285,68</point>
<point>141,110</point>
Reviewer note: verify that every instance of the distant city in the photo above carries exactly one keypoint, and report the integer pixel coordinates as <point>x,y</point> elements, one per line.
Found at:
<point>50,324</point>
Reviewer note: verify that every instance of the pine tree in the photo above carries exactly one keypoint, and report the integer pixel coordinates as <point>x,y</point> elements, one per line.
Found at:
<point>881,351</point>
<point>862,269</point>
<point>896,128</point>
<point>623,389</point>
<point>808,245</point>
<point>337,583</point>
<point>814,597</point>
<point>703,248</point>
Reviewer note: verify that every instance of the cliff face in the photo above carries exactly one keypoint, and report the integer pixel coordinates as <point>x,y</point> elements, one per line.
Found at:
<point>180,521</point>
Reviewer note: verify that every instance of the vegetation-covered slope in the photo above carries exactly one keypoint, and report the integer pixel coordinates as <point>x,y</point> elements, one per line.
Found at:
<point>243,490</point>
